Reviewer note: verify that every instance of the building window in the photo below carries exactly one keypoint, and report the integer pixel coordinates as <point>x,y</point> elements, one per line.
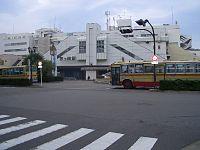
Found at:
<point>69,58</point>
<point>14,50</point>
<point>1,62</point>
<point>16,44</point>
<point>73,57</point>
<point>82,46</point>
<point>100,46</point>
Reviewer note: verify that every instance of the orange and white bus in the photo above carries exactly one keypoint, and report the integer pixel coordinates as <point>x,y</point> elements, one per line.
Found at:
<point>141,74</point>
<point>22,72</point>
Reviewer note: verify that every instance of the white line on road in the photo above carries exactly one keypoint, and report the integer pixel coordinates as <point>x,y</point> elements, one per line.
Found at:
<point>30,136</point>
<point>144,143</point>
<point>59,142</point>
<point>11,120</point>
<point>104,141</point>
<point>3,116</point>
<point>21,126</point>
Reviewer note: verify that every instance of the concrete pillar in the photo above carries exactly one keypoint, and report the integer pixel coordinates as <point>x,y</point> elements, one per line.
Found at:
<point>92,31</point>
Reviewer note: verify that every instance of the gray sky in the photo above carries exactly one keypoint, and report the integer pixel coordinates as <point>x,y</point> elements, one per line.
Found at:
<point>72,15</point>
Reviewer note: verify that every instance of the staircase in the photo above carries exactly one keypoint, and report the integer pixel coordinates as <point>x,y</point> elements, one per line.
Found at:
<point>131,48</point>
<point>17,62</point>
<point>65,51</point>
<point>126,51</point>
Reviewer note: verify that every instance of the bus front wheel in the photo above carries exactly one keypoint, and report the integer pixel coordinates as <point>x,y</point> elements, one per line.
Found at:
<point>127,84</point>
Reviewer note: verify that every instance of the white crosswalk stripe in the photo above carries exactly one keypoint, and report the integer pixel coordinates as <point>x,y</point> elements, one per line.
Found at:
<point>11,120</point>
<point>30,136</point>
<point>3,116</point>
<point>20,126</point>
<point>144,143</point>
<point>104,141</point>
<point>59,142</point>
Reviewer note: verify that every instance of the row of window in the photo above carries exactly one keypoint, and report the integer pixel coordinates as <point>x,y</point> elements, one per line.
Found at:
<point>17,37</point>
<point>12,71</point>
<point>147,35</point>
<point>15,50</point>
<point>15,44</point>
<point>100,46</point>
<point>169,68</point>
<point>68,58</point>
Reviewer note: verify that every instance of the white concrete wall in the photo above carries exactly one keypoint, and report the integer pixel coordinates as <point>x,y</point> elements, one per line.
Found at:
<point>16,38</point>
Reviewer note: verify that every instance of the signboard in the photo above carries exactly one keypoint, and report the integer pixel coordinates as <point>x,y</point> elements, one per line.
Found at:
<point>154,60</point>
<point>39,64</point>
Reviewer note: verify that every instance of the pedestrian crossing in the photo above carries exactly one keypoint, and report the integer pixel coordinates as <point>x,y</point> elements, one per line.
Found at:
<point>101,143</point>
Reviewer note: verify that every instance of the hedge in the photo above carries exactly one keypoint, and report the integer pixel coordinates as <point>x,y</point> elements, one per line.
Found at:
<point>15,82</point>
<point>51,79</point>
<point>180,85</point>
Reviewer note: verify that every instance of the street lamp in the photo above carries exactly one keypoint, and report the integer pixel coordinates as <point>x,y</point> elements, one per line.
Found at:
<point>143,23</point>
<point>31,51</point>
<point>40,67</point>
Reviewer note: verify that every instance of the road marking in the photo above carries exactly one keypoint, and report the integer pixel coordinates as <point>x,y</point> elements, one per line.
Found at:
<point>59,142</point>
<point>11,120</point>
<point>3,116</point>
<point>30,136</point>
<point>144,143</point>
<point>104,141</point>
<point>21,126</point>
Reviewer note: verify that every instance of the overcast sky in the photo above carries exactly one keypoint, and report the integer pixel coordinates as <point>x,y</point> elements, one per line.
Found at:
<point>72,15</point>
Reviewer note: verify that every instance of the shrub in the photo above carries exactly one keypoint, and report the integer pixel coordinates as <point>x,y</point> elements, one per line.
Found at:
<point>180,85</point>
<point>15,82</point>
<point>51,79</point>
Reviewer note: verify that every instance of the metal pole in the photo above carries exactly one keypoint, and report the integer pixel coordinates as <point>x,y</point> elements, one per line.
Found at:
<point>154,52</point>
<point>41,76</point>
<point>31,68</point>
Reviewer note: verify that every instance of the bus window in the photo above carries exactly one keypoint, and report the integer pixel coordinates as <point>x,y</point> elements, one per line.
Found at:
<point>0,71</point>
<point>10,71</point>
<point>21,71</point>
<point>139,68</point>
<point>197,68</point>
<point>170,68</point>
<point>16,71</point>
<point>131,68</point>
<point>124,69</point>
<point>148,69</point>
<point>189,68</point>
<point>4,72</point>
<point>34,68</point>
<point>160,69</point>
<point>180,68</point>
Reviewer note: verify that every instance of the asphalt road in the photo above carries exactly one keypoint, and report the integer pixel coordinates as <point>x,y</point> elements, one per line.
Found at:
<point>117,115</point>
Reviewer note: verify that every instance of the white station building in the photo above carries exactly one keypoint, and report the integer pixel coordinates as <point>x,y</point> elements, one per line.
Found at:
<point>89,54</point>
<point>83,55</point>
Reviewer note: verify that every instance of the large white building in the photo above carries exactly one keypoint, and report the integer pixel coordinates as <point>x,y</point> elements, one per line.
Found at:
<point>89,54</point>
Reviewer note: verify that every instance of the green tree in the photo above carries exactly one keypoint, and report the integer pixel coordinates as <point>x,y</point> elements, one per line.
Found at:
<point>46,64</point>
<point>47,68</point>
<point>34,58</point>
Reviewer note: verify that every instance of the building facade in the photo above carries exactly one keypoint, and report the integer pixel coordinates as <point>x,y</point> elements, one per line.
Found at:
<point>89,54</point>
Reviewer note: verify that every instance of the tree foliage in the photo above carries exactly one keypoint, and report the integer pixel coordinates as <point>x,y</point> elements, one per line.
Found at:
<point>46,64</point>
<point>34,58</point>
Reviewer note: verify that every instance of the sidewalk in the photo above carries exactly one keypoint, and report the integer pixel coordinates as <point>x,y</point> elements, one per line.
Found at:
<point>194,146</point>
